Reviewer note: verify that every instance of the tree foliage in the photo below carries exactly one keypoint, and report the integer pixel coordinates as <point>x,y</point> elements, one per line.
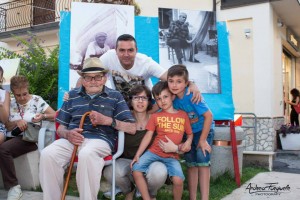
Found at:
<point>39,65</point>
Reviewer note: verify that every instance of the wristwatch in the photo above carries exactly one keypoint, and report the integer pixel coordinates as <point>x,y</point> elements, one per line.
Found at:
<point>113,124</point>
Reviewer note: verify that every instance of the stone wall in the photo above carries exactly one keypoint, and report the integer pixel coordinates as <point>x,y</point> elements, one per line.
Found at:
<point>265,133</point>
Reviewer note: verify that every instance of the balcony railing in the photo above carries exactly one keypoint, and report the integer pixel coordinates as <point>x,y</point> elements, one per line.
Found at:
<point>21,14</point>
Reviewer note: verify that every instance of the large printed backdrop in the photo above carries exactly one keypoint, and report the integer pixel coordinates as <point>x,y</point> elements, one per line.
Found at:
<point>146,31</point>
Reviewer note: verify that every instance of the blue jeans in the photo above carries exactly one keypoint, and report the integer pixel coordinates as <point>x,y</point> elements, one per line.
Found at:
<point>195,157</point>
<point>173,165</point>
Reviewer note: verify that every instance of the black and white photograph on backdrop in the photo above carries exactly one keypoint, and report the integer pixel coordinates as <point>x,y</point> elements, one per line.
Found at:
<point>94,30</point>
<point>189,37</point>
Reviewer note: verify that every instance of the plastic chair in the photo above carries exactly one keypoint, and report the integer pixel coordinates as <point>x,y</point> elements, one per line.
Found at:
<point>47,136</point>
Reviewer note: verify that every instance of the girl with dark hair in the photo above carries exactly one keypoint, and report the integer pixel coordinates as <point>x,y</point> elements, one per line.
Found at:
<point>294,116</point>
<point>4,107</point>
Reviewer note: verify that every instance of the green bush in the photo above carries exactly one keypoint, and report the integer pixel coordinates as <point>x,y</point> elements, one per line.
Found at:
<point>39,65</point>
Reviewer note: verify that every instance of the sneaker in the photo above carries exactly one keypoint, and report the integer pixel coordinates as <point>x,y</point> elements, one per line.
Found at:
<point>137,193</point>
<point>14,193</point>
<point>108,194</point>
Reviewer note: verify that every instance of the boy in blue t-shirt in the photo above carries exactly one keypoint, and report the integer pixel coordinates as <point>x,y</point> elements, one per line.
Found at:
<point>198,159</point>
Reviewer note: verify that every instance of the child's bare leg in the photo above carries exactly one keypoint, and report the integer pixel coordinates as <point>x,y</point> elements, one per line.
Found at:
<point>193,182</point>
<point>130,195</point>
<point>141,183</point>
<point>177,187</point>
<point>204,180</point>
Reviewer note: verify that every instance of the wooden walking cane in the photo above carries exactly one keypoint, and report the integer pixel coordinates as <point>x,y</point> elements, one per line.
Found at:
<point>72,159</point>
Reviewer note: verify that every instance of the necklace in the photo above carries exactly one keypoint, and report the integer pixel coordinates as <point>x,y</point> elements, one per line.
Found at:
<point>21,109</point>
<point>141,123</point>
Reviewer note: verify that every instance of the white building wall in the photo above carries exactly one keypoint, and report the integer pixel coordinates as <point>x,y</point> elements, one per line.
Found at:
<point>277,85</point>
<point>266,61</point>
<point>48,39</point>
<point>241,53</point>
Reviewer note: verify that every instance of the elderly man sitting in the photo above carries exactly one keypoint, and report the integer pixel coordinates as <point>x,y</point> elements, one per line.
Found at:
<point>96,140</point>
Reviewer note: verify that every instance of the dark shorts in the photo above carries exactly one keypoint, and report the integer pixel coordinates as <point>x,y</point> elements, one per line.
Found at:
<point>195,157</point>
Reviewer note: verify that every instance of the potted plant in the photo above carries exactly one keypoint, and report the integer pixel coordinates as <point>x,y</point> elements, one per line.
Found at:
<point>289,137</point>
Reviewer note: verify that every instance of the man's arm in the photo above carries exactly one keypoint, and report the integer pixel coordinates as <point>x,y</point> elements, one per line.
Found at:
<point>90,50</point>
<point>100,119</point>
<point>171,31</point>
<point>74,136</point>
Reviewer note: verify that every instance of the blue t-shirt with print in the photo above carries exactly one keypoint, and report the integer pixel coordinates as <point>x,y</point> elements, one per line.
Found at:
<point>194,111</point>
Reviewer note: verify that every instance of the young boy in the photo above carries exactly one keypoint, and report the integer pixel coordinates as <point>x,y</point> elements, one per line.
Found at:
<point>198,159</point>
<point>168,123</point>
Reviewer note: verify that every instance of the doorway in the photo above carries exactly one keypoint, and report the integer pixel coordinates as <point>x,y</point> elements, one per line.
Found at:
<point>288,80</point>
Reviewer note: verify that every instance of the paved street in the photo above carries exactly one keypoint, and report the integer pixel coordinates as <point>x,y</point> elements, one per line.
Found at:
<point>285,177</point>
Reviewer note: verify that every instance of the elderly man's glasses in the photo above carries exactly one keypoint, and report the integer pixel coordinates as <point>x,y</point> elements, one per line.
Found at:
<point>138,98</point>
<point>90,78</point>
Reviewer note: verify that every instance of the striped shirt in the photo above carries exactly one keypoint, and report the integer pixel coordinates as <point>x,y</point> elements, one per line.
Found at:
<point>109,103</point>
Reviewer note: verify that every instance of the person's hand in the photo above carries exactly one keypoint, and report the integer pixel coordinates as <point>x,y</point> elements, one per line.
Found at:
<point>75,137</point>
<point>100,119</point>
<point>22,124</point>
<point>204,146</point>
<point>287,101</point>
<point>38,117</point>
<point>168,146</point>
<point>66,96</point>
<point>134,160</point>
<point>196,93</point>
<point>185,147</point>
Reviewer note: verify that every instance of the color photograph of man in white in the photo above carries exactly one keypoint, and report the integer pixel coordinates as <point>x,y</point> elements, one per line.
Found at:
<point>94,30</point>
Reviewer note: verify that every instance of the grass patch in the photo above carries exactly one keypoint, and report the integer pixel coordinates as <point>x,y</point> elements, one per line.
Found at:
<point>219,188</point>
<point>225,184</point>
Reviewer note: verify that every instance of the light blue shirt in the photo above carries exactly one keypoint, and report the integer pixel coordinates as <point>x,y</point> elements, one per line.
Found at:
<point>194,111</point>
